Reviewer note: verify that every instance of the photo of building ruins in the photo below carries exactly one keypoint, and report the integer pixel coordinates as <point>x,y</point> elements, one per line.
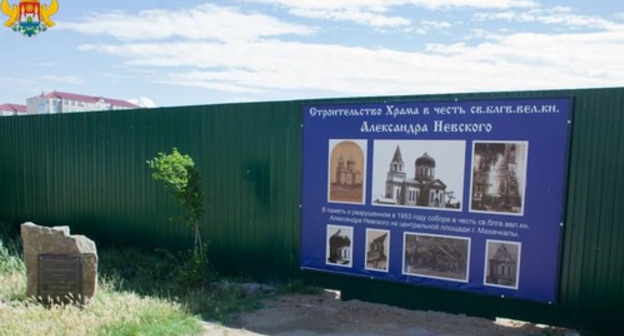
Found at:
<point>502,264</point>
<point>499,177</point>
<point>436,256</point>
<point>377,249</point>
<point>339,245</point>
<point>347,171</point>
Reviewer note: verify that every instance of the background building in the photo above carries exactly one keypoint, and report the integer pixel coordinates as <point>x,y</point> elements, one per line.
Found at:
<point>63,102</point>
<point>12,109</point>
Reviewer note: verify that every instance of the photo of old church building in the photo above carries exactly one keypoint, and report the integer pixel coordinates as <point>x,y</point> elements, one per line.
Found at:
<point>498,177</point>
<point>424,189</point>
<point>419,173</point>
<point>502,261</point>
<point>377,249</point>
<point>339,245</point>
<point>347,171</point>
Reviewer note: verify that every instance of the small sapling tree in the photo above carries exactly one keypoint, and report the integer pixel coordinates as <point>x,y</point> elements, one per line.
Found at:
<point>181,178</point>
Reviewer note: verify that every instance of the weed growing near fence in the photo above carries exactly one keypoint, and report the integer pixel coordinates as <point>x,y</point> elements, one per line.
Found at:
<point>181,275</point>
<point>12,271</point>
<point>180,177</point>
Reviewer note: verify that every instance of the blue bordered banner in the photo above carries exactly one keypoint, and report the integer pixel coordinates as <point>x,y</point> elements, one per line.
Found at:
<point>457,194</point>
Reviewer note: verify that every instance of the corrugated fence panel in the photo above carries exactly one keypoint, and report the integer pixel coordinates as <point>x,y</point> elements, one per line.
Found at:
<point>88,170</point>
<point>593,258</point>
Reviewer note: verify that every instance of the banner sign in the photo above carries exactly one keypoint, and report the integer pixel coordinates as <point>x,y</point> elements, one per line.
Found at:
<point>465,195</point>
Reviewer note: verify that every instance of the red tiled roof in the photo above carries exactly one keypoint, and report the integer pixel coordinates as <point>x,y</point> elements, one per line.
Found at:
<point>13,107</point>
<point>88,99</point>
<point>118,102</point>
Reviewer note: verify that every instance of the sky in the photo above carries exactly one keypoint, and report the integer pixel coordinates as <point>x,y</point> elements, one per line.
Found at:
<point>193,52</point>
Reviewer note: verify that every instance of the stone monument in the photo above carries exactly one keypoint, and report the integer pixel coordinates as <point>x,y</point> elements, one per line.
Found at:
<point>58,264</point>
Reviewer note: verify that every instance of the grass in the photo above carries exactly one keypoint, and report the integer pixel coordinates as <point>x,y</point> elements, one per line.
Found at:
<point>12,272</point>
<point>178,276</point>
<point>140,293</point>
<point>298,286</point>
<point>113,311</point>
<point>110,313</point>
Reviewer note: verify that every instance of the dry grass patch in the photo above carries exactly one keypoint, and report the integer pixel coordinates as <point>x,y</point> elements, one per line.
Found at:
<point>111,312</point>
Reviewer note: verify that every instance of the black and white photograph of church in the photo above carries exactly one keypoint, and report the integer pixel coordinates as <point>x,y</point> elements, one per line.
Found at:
<point>499,177</point>
<point>419,173</point>
<point>347,171</point>
<point>502,264</point>
<point>339,245</point>
<point>377,249</point>
<point>436,256</point>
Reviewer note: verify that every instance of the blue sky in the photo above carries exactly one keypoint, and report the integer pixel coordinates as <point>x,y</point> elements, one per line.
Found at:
<point>168,53</point>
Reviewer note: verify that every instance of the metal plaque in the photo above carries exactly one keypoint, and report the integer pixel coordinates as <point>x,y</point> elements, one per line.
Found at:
<point>60,277</point>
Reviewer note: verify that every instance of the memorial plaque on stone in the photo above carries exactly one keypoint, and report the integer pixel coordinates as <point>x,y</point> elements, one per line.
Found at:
<point>59,276</point>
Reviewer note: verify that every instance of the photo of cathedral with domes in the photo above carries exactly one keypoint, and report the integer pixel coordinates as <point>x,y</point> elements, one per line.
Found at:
<point>347,171</point>
<point>419,173</point>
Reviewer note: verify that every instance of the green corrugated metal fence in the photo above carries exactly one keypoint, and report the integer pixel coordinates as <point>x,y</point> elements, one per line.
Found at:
<point>88,170</point>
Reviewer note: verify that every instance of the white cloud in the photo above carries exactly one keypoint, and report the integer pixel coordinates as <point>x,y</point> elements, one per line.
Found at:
<point>20,81</point>
<point>384,5</point>
<point>375,12</point>
<point>353,15</point>
<point>482,34</point>
<point>557,15</point>
<point>507,62</point>
<point>560,9</point>
<point>242,54</point>
<point>205,22</point>
<point>436,24</point>
<point>143,102</point>
<point>64,79</point>
<point>210,81</point>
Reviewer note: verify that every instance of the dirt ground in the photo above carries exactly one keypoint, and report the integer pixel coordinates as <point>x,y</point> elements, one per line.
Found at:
<point>326,314</point>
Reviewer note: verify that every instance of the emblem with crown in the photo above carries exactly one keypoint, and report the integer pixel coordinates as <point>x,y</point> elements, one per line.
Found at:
<point>29,17</point>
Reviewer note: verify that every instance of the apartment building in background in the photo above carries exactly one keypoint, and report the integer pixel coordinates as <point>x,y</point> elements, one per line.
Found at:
<point>12,109</point>
<point>64,102</point>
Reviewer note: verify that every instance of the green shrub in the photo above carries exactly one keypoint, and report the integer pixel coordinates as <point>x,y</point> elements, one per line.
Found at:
<point>181,178</point>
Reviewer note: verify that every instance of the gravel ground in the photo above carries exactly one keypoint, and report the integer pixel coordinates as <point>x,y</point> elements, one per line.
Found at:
<point>326,314</point>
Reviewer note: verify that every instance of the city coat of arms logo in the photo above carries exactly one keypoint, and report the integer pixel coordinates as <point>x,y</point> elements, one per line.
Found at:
<point>29,17</point>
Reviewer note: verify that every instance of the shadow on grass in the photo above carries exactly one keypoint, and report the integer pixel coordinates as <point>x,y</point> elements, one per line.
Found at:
<point>182,277</point>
